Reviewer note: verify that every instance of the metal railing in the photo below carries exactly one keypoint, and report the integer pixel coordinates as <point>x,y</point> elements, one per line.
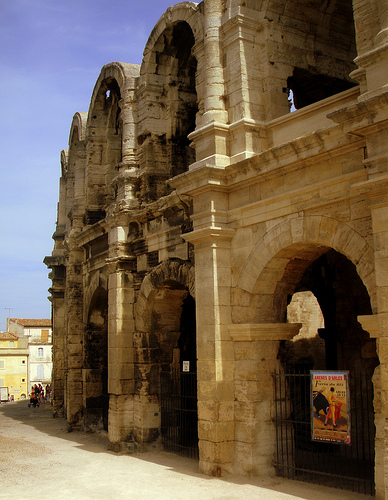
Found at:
<point>179,416</point>
<point>344,466</point>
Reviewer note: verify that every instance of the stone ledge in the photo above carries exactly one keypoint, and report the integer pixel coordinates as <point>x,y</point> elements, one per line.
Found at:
<point>264,331</point>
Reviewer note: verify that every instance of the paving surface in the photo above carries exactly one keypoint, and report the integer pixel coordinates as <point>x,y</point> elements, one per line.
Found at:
<point>40,459</point>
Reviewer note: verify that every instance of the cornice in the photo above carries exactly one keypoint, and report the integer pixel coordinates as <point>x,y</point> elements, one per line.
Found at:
<point>263,331</point>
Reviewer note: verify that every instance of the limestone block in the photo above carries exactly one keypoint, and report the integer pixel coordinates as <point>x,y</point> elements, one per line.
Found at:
<point>74,362</point>
<point>243,463</point>
<point>245,411</point>
<point>206,370</point>
<point>215,295</point>
<point>216,432</point>
<point>381,273</point>
<point>208,411</point>
<point>381,245</point>
<point>206,348</point>
<point>382,346</point>
<point>244,432</point>
<point>246,369</point>
<point>245,350</point>
<point>122,339</point>
<point>215,390</point>
<point>246,390</point>
<point>213,453</point>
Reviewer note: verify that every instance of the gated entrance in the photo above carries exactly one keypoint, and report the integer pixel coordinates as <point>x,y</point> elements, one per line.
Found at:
<point>343,466</point>
<point>179,425</point>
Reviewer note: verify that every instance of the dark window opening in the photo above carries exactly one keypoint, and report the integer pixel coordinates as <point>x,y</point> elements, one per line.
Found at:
<point>308,87</point>
<point>93,216</point>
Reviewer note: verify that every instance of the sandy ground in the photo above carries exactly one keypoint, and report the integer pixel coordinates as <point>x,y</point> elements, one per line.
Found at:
<point>40,459</point>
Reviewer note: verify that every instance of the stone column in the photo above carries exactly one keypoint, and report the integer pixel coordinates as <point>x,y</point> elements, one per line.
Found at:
<point>58,349</point>
<point>74,335</point>
<point>382,37</point>
<point>246,101</point>
<point>214,349</point>
<point>121,297</point>
<point>211,135</point>
<point>373,64</point>
<point>378,328</point>
<point>256,348</point>
<point>125,181</point>
<point>371,324</point>
<point>78,213</point>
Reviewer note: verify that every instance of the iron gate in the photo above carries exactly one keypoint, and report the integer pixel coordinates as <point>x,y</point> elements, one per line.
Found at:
<point>343,466</point>
<point>179,416</point>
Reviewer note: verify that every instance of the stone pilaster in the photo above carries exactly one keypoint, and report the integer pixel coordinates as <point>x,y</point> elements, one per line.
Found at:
<point>373,64</point>
<point>256,348</point>
<point>214,349</point>
<point>74,336</point>
<point>371,324</point>
<point>211,134</point>
<point>121,327</point>
<point>125,181</point>
<point>378,328</point>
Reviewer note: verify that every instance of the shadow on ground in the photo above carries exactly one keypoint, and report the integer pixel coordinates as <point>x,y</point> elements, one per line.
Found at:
<point>41,419</point>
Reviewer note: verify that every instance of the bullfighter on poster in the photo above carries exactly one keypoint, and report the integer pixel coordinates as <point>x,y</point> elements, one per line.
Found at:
<point>330,406</point>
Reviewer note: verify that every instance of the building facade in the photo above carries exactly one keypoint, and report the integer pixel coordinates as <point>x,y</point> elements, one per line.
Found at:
<point>194,205</point>
<point>14,365</point>
<point>38,334</point>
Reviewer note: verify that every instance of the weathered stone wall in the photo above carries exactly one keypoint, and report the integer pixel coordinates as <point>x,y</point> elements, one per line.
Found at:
<point>190,179</point>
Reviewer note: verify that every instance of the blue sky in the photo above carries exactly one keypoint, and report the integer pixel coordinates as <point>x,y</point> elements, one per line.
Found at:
<point>51,55</point>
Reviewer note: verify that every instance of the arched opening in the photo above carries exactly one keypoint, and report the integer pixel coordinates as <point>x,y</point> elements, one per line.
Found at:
<point>170,377</point>
<point>326,60</point>
<point>104,150</point>
<point>95,363</point>
<point>307,348</point>
<point>169,112</point>
<point>310,49</point>
<point>339,345</point>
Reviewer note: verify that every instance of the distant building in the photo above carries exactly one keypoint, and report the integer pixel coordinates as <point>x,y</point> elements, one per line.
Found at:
<point>38,333</point>
<point>14,365</point>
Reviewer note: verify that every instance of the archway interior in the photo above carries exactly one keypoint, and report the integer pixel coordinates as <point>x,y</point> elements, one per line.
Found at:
<point>95,363</point>
<point>173,328</point>
<point>104,150</point>
<point>164,148</point>
<point>341,295</point>
<point>326,297</point>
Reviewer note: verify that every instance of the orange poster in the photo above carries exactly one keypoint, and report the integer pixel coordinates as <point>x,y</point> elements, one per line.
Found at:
<point>330,406</point>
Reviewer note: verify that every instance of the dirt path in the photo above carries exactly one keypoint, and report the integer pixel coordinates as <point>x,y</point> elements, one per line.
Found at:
<point>40,459</point>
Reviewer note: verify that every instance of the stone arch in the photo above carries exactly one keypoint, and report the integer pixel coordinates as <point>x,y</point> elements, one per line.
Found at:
<point>366,14</point>
<point>78,127</point>
<point>168,93</point>
<point>309,54</point>
<point>95,359</point>
<point>64,156</point>
<point>75,166</point>
<point>171,270</point>
<point>183,11</point>
<point>120,72</point>
<point>311,236</point>
<point>104,148</point>
<point>98,280</point>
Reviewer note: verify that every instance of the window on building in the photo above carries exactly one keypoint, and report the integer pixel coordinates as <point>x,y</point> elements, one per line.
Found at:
<point>11,344</point>
<point>40,352</point>
<point>23,380</point>
<point>44,335</point>
<point>2,364</point>
<point>40,372</point>
<point>23,361</point>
